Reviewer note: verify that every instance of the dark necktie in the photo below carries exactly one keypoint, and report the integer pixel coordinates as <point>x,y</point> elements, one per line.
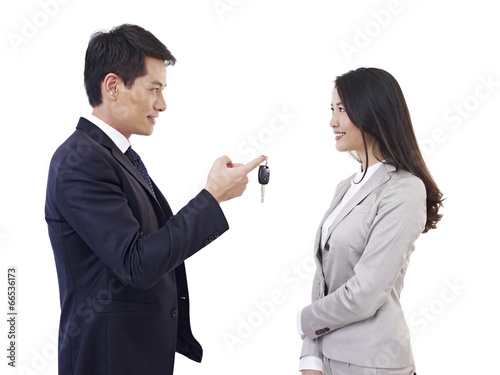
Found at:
<point>139,165</point>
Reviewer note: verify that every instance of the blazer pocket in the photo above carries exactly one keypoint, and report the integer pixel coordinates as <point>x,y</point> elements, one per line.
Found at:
<point>111,306</point>
<point>361,209</point>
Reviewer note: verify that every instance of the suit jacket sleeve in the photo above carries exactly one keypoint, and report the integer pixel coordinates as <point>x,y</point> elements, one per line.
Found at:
<point>91,198</point>
<point>310,347</point>
<point>399,221</point>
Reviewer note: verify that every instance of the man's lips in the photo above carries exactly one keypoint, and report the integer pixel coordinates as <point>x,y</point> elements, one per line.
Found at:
<point>152,119</point>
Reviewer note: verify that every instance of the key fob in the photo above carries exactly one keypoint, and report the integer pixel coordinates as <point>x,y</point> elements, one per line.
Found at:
<point>264,173</point>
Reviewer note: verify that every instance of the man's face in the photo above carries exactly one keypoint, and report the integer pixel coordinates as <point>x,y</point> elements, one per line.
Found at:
<point>137,107</point>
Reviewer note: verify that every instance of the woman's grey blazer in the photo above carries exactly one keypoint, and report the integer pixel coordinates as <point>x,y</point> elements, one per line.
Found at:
<point>355,315</point>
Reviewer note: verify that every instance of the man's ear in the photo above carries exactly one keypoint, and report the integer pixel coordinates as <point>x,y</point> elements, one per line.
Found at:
<point>109,86</point>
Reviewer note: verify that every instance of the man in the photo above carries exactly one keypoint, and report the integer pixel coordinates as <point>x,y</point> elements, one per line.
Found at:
<point>118,248</point>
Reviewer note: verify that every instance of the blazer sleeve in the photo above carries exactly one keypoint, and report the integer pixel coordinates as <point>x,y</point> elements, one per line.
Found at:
<point>89,196</point>
<point>310,347</point>
<point>399,221</point>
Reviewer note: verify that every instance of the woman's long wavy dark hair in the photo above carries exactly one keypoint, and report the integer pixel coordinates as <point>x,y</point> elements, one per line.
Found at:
<point>375,103</point>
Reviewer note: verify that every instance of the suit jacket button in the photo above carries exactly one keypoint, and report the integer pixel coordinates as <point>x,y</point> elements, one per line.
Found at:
<point>320,332</point>
<point>211,238</point>
<point>327,247</point>
<point>175,312</point>
<point>216,234</point>
<point>206,242</point>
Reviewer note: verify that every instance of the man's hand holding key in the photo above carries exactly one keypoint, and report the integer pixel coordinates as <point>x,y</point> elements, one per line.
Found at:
<point>227,180</point>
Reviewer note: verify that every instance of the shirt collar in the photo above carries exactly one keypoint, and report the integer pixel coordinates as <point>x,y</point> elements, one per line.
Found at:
<point>369,172</point>
<point>118,138</point>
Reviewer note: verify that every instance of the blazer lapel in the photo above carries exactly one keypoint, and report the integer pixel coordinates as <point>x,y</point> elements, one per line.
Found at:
<point>125,162</point>
<point>380,176</point>
<point>339,193</point>
<point>167,211</point>
<point>99,136</point>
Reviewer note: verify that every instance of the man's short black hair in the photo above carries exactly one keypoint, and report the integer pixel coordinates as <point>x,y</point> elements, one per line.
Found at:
<point>122,51</point>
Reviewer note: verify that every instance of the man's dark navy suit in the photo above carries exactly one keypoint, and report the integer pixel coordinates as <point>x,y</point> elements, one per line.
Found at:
<point>120,255</point>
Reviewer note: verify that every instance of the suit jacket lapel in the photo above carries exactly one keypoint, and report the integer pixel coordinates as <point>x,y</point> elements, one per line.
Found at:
<point>380,176</point>
<point>167,211</point>
<point>99,136</point>
<point>339,193</point>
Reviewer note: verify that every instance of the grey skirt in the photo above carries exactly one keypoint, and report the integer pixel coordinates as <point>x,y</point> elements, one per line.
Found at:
<point>332,367</point>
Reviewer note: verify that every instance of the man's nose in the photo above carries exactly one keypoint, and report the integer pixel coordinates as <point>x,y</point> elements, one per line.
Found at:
<point>160,104</point>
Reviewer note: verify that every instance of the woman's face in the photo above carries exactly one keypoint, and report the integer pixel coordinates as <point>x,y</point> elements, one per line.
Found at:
<point>347,135</point>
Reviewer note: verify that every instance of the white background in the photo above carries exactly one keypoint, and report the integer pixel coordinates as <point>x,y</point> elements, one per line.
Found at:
<point>240,62</point>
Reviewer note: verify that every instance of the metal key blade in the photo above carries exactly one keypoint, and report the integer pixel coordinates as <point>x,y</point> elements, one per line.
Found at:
<point>262,192</point>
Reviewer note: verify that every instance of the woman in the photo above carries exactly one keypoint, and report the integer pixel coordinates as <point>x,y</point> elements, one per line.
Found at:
<point>355,323</point>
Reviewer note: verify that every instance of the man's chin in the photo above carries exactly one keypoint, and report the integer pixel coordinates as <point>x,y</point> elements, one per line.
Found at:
<point>145,132</point>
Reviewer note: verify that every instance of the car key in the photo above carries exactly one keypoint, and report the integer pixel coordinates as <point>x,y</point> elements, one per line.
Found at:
<point>264,174</point>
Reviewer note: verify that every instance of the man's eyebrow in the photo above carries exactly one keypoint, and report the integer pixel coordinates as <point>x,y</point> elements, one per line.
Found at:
<point>158,83</point>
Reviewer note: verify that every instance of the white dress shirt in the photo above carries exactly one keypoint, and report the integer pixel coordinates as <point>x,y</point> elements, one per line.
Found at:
<point>312,362</point>
<point>118,138</point>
